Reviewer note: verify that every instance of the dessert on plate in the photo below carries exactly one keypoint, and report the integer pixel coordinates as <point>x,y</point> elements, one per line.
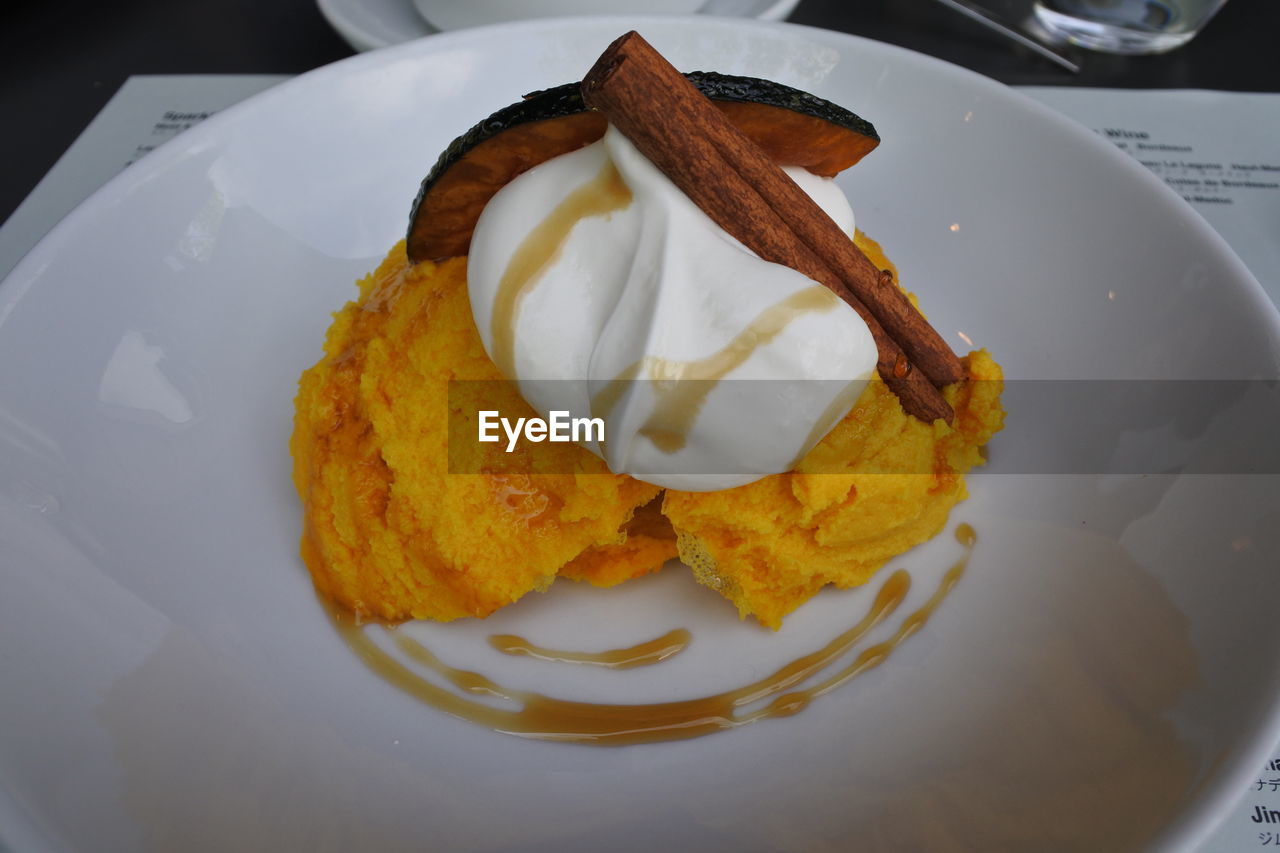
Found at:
<point>668,255</point>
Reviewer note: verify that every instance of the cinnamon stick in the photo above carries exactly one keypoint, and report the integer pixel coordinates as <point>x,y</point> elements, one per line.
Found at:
<point>921,342</point>
<point>691,142</point>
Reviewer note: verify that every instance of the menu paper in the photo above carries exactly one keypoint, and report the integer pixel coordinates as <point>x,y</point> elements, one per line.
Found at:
<point>1216,149</point>
<point>146,112</point>
<point>1219,150</point>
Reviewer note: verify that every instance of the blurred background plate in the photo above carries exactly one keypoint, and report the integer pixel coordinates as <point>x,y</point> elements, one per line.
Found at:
<point>370,24</point>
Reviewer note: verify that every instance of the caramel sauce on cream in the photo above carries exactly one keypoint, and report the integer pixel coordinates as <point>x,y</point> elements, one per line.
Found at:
<point>681,387</point>
<point>645,654</point>
<point>599,196</point>
<point>549,718</point>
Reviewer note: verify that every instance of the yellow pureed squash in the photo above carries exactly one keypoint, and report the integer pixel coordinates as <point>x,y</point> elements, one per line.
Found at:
<point>392,535</point>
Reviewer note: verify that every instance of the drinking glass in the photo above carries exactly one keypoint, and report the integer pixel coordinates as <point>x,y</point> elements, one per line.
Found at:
<point>1126,26</point>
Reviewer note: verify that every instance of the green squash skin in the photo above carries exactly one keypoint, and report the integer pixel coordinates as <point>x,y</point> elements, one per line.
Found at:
<point>566,99</point>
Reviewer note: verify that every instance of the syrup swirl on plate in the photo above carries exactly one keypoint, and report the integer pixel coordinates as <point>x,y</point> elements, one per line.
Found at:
<point>645,654</point>
<point>545,717</point>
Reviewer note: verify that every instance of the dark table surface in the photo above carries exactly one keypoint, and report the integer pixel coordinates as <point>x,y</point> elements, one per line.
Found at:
<point>60,62</point>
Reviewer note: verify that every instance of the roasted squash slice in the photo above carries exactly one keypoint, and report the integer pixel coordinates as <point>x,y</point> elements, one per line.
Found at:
<point>795,128</point>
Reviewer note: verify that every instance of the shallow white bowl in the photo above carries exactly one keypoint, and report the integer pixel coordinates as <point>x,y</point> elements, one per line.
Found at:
<point>1100,679</point>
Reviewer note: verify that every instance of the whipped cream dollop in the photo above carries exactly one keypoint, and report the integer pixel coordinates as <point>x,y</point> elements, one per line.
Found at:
<point>603,291</point>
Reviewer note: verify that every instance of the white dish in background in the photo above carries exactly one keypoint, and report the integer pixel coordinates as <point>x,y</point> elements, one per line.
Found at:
<point>170,681</point>
<point>459,14</point>
<point>370,24</point>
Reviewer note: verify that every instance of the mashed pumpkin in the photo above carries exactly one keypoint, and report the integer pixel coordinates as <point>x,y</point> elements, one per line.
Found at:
<point>391,534</point>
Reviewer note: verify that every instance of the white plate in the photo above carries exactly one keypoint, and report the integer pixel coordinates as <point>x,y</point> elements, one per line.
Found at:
<point>370,24</point>
<point>1103,677</point>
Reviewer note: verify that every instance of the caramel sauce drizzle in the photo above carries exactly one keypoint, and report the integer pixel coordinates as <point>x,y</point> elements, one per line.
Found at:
<point>599,196</point>
<point>547,718</point>
<point>681,387</point>
<point>679,401</point>
<point>645,654</point>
